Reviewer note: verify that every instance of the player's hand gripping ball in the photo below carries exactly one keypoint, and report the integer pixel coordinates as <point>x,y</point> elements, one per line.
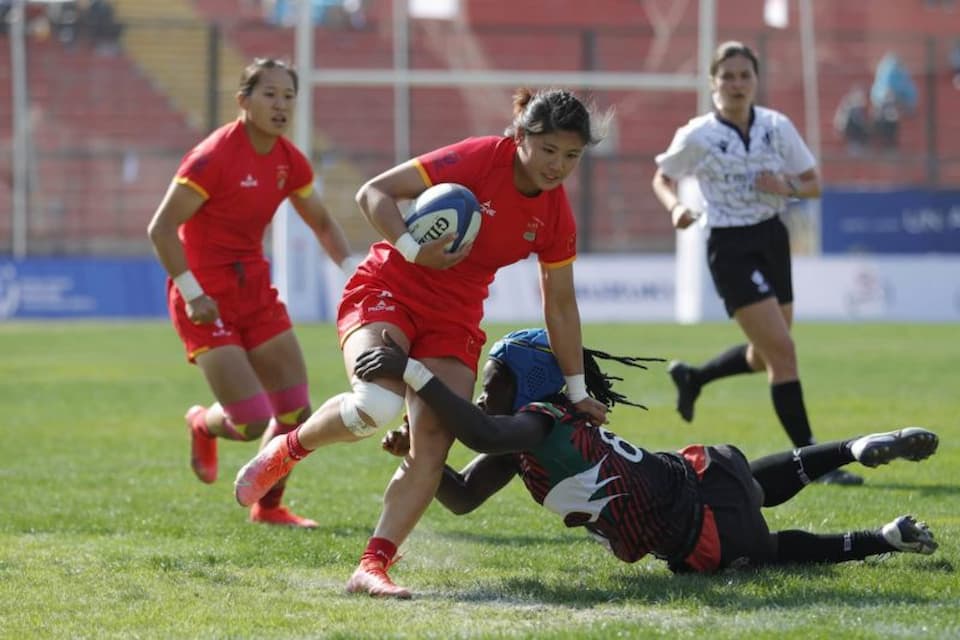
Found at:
<point>443,209</point>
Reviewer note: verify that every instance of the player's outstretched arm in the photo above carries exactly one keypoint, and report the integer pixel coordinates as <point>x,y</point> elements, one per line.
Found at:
<point>460,491</point>
<point>475,429</point>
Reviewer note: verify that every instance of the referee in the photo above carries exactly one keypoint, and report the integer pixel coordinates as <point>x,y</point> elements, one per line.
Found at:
<point>749,162</point>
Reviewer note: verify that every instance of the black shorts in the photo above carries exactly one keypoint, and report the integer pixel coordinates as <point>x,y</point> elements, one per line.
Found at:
<point>735,498</point>
<point>751,263</point>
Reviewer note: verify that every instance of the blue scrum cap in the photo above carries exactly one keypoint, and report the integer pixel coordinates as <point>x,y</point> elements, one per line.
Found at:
<point>528,355</point>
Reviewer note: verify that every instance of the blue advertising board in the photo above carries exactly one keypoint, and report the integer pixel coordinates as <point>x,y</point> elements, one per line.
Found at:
<point>890,221</point>
<point>82,287</point>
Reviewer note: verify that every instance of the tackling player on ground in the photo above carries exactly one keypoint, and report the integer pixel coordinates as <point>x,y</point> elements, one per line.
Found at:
<point>698,509</point>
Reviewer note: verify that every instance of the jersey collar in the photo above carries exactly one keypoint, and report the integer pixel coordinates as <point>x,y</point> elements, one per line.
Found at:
<point>745,138</point>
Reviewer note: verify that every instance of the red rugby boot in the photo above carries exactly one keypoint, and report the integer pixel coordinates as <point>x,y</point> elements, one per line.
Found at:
<point>203,446</point>
<point>280,516</point>
<point>268,467</point>
<point>371,578</point>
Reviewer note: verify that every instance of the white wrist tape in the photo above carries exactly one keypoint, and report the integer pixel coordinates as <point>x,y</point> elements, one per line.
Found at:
<point>349,264</point>
<point>188,286</point>
<point>408,247</point>
<point>416,375</point>
<point>576,387</point>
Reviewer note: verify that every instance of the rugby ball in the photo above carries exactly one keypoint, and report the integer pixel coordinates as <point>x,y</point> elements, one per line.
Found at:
<point>442,209</point>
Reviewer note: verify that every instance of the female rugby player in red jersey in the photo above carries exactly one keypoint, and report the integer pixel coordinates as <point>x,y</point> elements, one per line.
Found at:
<point>431,302</point>
<point>208,234</point>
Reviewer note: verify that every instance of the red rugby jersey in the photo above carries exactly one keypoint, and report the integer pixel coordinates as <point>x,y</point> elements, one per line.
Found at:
<point>242,190</point>
<point>513,226</point>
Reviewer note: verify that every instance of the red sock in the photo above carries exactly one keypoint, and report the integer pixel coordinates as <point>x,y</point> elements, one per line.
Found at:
<point>273,498</point>
<point>379,550</point>
<point>297,450</point>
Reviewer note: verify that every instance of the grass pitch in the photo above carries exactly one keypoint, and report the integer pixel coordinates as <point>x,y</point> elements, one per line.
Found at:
<point>105,533</point>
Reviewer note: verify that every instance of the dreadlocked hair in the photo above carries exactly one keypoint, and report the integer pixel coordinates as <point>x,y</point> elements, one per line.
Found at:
<point>600,384</point>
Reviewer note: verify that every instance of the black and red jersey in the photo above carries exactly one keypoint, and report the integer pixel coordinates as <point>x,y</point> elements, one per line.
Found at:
<point>634,501</point>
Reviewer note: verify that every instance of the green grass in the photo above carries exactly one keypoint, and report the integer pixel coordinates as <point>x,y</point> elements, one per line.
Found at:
<point>105,533</point>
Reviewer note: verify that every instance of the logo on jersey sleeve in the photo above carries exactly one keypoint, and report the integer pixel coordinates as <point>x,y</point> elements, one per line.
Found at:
<point>447,160</point>
<point>572,496</point>
<point>198,164</point>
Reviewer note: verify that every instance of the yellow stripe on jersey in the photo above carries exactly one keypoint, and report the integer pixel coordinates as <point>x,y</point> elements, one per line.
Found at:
<point>304,191</point>
<point>187,182</point>
<point>423,173</point>
<point>193,354</point>
<point>557,265</point>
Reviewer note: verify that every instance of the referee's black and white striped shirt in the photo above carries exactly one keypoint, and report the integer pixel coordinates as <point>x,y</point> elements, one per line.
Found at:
<point>726,164</point>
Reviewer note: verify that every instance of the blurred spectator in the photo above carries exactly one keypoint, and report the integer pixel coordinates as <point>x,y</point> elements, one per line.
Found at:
<point>892,83</point>
<point>279,12</point>
<point>5,6</point>
<point>886,122</point>
<point>955,63</point>
<point>102,26</point>
<point>892,96</point>
<point>355,14</point>
<point>65,20</point>
<point>852,119</point>
<point>38,25</point>
<point>333,13</point>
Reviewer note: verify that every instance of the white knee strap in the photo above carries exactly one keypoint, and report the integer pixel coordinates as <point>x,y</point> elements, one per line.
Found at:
<point>380,405</point>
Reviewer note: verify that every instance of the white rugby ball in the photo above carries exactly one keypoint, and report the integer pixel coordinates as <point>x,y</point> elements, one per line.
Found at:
<point>442,209</point>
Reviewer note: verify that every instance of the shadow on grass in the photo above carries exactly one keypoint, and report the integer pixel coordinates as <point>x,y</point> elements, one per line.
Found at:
<point>932,490</point>
<point>733,591</point>
<point>505,540</point>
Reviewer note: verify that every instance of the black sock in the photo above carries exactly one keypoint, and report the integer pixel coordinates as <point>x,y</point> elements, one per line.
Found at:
<point>729,363</point>
<point>788,403</point>
<point>803,547</point>
<point>782,475</point>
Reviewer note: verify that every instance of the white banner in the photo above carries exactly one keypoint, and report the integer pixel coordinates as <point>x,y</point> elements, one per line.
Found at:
<point>625,288</point>
<point>609,289</point>
<point>889,288</point>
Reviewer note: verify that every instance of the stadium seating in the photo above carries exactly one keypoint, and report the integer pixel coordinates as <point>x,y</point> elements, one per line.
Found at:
<point>166,86</point>
<point>99,129</point>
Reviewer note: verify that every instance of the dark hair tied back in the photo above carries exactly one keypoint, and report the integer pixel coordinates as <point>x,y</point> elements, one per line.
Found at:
<point>549,111</point>
<point>254,72</point>
<point>730,49</point>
